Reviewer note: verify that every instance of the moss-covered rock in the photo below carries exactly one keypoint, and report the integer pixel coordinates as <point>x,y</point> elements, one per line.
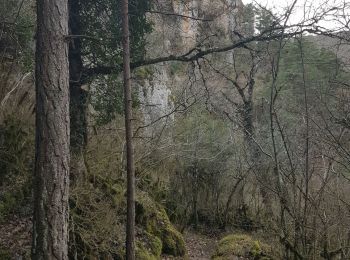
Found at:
<point>241,245</point>
<point>173,242</point>
<point>144,254</point>
<point>148,247</point>
<point>154,219</point>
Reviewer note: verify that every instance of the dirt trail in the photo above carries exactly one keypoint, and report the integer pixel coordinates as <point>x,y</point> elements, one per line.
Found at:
<point>199,247</point>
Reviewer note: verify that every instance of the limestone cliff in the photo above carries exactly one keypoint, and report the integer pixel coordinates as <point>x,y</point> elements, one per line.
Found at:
<point>179,27</point>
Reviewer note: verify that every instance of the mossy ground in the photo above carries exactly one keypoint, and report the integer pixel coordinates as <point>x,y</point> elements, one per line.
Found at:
<point>242,245</point>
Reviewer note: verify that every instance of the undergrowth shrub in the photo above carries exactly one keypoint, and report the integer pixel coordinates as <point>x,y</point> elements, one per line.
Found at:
<point>16,162</point>
<point>98,208</point>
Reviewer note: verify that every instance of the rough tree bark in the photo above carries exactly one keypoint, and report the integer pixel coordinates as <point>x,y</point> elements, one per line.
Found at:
<point>51,177</point>
<point>130,225</point>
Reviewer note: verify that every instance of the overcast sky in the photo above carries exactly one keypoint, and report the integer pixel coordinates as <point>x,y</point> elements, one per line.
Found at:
<point>308,8</point>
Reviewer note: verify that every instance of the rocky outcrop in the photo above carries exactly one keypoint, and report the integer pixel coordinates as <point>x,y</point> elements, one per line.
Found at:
<point>153,218</point>
<point>197,24</point>
<point>242,246</point>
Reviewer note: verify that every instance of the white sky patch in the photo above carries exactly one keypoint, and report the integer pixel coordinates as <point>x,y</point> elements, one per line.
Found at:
<point>329,14</point>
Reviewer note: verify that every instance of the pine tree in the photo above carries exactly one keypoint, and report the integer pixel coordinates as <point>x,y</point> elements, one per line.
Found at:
<point>51,177</point>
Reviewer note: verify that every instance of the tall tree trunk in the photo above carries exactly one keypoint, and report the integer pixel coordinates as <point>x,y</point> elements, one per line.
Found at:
<point>51,177</point>
<point>78,96</point>
<point>130,225</point>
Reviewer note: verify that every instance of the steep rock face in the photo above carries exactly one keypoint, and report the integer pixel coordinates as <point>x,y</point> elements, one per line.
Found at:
<point>154,96</point>
<point>198,23</point>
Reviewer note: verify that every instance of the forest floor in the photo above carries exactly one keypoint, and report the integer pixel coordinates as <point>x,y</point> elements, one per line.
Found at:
<point>15,236</point>
<point>199,246</point>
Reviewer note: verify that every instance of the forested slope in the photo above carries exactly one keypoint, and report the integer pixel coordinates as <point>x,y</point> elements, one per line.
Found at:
<point>241,131</point>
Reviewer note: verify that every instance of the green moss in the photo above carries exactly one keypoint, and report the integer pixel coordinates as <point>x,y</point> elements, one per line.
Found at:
<point>156,246</point>
<point>242,246</point>
<point>154,219</point>
<point>143,254</point>
<point>151,243</point>
<point>148,247</point>
<point>173,242</point>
